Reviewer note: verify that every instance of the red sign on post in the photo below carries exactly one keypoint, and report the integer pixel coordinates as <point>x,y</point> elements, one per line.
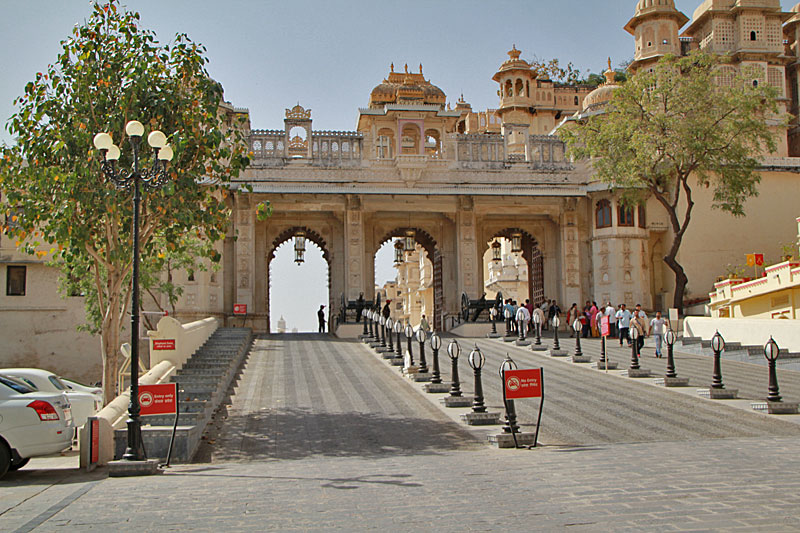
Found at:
<point>163,344</point>
<point>158,399</point>
<point>239,309</point>
<point>94,455</point>
<point>760,259</point>
<point>605,326</point>
<point>523,383</point>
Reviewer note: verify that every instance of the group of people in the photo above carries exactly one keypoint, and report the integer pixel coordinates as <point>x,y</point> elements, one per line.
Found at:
<point>514,313</point>
<point>620,321</point>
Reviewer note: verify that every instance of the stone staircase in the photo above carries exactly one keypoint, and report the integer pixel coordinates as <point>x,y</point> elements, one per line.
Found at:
<point>738,352</point>
<point>202,384</point>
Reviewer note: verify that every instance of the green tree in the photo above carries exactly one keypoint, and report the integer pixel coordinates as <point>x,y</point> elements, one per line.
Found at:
<point>690,122</point>
<point>110,71</point>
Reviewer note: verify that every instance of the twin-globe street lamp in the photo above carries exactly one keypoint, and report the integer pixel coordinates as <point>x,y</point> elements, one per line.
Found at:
<point>152,179</point>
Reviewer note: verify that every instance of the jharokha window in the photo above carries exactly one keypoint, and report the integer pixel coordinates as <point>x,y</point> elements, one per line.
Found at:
<point>624,215</point>
<point>602,214</point>
<point>642,217</point>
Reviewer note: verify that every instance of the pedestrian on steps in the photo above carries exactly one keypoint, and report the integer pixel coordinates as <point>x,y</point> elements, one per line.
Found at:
<point>321,318</point>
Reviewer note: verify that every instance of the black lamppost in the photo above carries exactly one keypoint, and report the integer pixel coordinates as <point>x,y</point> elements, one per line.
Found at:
<point>772,352</point>
<point>670,338</point>
<point>576,327</point>
<point>507,315</point>
<point>423,364</point>
<point>364,318</point>
<point>382,321</point>
<point>389,326</point>
<point>152,178</point>
<point>511,411</point>
<point>717,345</point>
<point>436,343</point>
<point>493,314</point>
<point>476,362</point>
<point>410,333</point>
<point>371,331</point>
<point>602,360</point>
<point>556,323</point>
<point>634,333</point>
<point>398,328</point>
<point>537,324</point>
<point>453,351</point>
<point>521,323</point>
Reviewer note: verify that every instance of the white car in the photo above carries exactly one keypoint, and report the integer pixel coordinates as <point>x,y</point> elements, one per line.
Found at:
<point>80,387</point>
<point>84,404</point>
<point>32,423</point>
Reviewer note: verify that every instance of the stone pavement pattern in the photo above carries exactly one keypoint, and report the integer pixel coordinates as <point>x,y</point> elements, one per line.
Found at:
<point>322,435</point>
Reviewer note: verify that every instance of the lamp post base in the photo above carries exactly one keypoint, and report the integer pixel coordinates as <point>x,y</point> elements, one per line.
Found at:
<point>525,342</point>
<point>539,348</point>
<point>719,394</point>
<point>124,468</point>
<point>638,373</point>
<point>506,440</point>
<point>512,338</point>
<point>581,359</point>
<point>420,377</point>
<point>776,408</point>
<point>457,401</point>
<point>436,388</point>
<point>558,353</point>
<point>673,382</point>
<point>605,365</point>
<point>493,335</point>
<point>481,419</point>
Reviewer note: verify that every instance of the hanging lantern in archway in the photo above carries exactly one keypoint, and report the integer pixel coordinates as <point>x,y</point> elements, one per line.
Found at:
<point>299,246</point>
<point>497,252</point>
<point>516,243</point>
<point>398,252</point>
<point>410,243</point>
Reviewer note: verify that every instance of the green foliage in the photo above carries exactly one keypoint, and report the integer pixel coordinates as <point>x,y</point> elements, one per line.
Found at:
<point>263,210</point>
<point>688,121</point>
<point>552,70</point>
<point>110,71</point>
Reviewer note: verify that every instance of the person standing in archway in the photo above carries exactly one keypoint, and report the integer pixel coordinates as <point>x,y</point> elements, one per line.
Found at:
<point>321,318</point>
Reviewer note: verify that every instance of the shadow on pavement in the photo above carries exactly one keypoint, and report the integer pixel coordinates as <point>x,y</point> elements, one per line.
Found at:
<point>301,433</point>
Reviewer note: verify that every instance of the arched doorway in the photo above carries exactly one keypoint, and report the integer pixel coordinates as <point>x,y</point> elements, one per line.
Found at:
<point>522,244</point>
<point>297,289</point>
<point>419,281</point>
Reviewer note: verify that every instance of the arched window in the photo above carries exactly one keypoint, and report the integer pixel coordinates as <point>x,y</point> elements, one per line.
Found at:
<point>752,36</point>
<point>576,100</point>
<point>518,88</point>
<point>602,215</point>
<point>642,217</point>
<point>527,89</point>
<point>624,215</point>
<point>509,89</point>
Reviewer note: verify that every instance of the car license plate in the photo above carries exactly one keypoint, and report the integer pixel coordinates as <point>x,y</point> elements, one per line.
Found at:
<point>68,416</point>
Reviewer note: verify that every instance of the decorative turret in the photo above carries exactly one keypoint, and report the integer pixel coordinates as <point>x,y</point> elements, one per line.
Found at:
<point>515,77</point>
<point>598,98</point>
<point>406,88</point>
<point>655,26</point>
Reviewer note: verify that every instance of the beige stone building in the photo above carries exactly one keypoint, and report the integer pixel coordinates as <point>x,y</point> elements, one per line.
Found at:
<point>451,180</point>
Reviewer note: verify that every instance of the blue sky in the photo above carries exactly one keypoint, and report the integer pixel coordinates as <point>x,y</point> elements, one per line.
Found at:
<point>328,55</point>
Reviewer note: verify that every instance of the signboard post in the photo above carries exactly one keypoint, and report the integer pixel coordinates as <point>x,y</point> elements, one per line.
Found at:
<point>93,424</point>
<point>161,399</point>
<point>605,331</point>
<point>528,383</point>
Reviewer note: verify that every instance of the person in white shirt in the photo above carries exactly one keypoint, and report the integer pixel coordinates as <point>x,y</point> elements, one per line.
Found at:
<point>612,319</point>
<point>624,323</point>
<point>657,330</point>
<point>640,318</point>
<point>523,317</point>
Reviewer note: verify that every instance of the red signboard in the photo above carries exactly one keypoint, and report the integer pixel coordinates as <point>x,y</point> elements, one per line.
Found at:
<point>158,399</point>
<point>163,344</point>
<point>239,309</point>
<point>605,326</point>
<point>523,383</point>
<point>94,456</point>
<point>760,259</point>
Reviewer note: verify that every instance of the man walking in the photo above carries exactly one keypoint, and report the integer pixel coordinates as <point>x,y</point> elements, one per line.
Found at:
<point>623,323</point>
<point>321,318</point>
<point>657,331</point>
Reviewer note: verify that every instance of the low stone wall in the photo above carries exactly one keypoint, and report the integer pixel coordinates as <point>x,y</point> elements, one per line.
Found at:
<point>746,331</point>
<point>176,342</point>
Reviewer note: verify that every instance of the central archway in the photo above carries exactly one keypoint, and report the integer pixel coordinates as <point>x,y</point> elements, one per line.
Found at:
<point>308,287</point>
<point>532,255</point>
<point>430,290</point>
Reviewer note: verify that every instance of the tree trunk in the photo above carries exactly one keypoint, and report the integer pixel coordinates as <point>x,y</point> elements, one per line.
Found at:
<point>680,282</point>
<point>110,345</point>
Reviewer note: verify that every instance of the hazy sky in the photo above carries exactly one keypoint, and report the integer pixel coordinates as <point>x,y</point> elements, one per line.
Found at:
<point>328,55</point>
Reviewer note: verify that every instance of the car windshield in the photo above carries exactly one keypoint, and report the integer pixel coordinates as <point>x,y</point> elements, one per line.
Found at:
<point>57,383</point>
<point>16,385</point>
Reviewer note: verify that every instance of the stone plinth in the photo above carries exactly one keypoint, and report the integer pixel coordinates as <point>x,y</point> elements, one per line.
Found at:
<point>539,348</point>
<point>601,365</point>
<point>375,344</point>
<point>718,394</point>
<point>510,339</point>
<point>389,355</point>
<point>408,370</point>
<point>522,342</point>
<point>638,373</point>
<point>776,408</point>
<point>481,419</point>
<point>673,382</point>
<point>558,353</point>
<point>493,335</point>
<point>457,401</point>
<point>581,359</point>
<point>436,388</point>
<point>419,377</point>
<point>396,361</point>
<point>506,440</point>
<point>124,468</point>
<point>384,349</point>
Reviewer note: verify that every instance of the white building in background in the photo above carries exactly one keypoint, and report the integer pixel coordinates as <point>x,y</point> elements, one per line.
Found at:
<point>282,325</point>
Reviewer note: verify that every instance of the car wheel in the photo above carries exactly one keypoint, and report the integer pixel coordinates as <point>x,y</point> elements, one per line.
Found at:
<point>16,465</point>
<point>5,459</point>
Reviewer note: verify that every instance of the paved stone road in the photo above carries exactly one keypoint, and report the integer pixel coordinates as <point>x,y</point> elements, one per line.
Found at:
<point>322,435</point>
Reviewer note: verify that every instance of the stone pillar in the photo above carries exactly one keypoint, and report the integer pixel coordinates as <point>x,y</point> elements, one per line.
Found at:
<point>570,250</point>
<point>354,249</point>
<point>244,253</point>
<point>469,267</point>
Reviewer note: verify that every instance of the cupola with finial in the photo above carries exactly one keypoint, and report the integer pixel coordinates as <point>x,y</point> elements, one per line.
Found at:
<point>655,26</point>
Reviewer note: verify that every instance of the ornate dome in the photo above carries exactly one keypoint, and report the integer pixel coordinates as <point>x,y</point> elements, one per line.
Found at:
<point>648,8</point>
<point>406,88</point>
<point>654,5</point>
<point>599,97</point>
